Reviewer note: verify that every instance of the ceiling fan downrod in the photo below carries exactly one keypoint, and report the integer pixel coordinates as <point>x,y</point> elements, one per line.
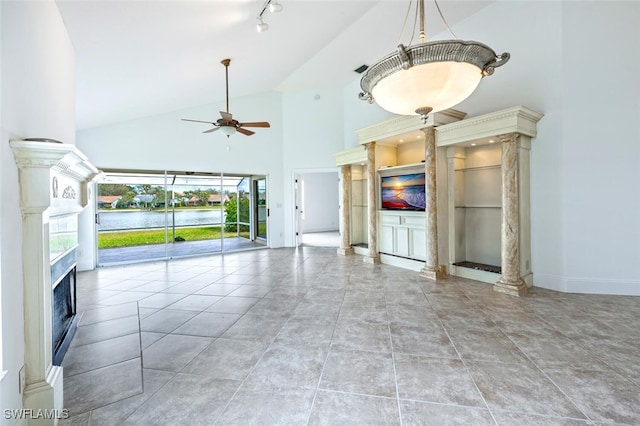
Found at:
<point>226,63</point>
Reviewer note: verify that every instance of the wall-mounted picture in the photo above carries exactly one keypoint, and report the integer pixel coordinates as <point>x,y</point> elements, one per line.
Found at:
<point>403,192</point>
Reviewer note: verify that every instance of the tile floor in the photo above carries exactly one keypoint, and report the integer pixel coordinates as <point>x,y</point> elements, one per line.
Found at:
<point>321,239</point>
<point>306,337</point>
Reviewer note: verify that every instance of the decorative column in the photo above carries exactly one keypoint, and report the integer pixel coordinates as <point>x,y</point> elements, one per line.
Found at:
<point>345,212</point>
<point>431,268</point>
<point>511,282</point>
<point>372,212</point>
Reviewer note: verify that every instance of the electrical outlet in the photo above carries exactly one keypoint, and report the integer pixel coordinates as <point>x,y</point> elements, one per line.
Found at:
<point>21,380</point>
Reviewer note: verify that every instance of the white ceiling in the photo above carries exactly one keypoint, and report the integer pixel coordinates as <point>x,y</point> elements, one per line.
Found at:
<point>140,58</point>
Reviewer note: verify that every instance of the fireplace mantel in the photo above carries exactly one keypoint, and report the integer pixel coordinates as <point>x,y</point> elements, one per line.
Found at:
<point>54,183</point>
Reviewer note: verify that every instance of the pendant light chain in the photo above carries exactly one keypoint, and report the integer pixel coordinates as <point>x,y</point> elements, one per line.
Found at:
<point>444,20</point>
<point>404,24</point>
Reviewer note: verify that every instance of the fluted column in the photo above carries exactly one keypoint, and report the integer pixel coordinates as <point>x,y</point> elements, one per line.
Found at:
<point>345,212</point>
<point>431,268</point>
<point>372,212</point>
<point>511,281</point>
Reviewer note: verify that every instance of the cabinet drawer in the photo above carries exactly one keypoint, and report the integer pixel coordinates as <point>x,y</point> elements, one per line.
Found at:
<point>414,221</point>
<point>390,219</point>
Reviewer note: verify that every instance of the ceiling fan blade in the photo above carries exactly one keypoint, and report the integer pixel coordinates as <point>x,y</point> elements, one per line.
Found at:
<point>227,116</point>
<point>197,121</point>
<point>256,124</point>
<point>244,131</point>
<point>211,130</point>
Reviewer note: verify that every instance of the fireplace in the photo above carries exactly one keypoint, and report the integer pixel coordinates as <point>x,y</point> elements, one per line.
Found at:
<point>63,276</point>
<point>54,188</point>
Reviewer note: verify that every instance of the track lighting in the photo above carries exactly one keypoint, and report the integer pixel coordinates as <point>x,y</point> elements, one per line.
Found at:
<point>262,26</point>
<point>275,7</point>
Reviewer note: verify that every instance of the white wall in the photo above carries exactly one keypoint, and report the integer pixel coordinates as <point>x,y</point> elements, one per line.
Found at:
<point>38,100</point>
<point>359,114</point>
<point>580,69</point>
<point>313,131</point>
<point>165,142</point>
<point>321,203</point>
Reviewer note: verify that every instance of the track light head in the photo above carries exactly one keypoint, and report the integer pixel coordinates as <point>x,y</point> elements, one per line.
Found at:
<point>262,26</point>
<point>275,7</point>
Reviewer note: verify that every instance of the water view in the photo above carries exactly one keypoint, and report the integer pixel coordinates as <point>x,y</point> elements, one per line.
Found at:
<point>120,220</point>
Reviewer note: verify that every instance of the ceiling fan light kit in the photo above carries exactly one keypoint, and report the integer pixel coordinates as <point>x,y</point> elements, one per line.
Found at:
<point>228,130</point>
<point>227,124</point>
<point>428,76</point>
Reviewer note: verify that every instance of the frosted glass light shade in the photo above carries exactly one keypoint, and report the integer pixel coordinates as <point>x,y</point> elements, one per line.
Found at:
<point>228,130</point>
<point>428,77</point>
<point>437,85</point>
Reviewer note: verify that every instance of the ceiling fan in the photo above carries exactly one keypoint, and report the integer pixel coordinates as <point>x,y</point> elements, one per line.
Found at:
<point>227,124</point>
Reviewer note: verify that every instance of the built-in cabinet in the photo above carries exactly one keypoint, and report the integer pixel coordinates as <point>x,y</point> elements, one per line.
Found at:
<point>482,196</point>
<point>402,234</point>
<point>359,205</point>
<point>475,183</point>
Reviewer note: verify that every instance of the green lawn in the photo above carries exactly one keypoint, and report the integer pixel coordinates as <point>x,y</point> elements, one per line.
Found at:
<point>156,236</point>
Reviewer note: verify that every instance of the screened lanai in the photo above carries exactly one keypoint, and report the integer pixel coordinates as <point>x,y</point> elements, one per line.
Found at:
<point>143,216</point>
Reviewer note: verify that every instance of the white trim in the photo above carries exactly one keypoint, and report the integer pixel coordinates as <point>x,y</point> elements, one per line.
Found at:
<point>3,374</point>
<point>321,229</point>
<point>474,274</point>
<point>588,285</point>
<point>402,262</point>
<point>517,119</point>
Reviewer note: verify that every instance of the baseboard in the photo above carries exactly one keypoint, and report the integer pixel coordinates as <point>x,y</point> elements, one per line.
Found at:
<point>587,286</point>
<point>401,262</point>
<point>323,229</point>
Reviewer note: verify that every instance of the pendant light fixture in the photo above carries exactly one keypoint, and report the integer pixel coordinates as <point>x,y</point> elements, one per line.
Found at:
<point>428,76</point>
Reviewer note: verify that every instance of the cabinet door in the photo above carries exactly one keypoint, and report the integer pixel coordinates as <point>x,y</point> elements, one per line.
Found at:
<point>386,240</point>
<point>418,244</point>
<point>402,241</point>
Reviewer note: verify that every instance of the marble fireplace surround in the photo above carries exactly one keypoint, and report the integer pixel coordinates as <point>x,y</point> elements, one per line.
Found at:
<point>54,188</point>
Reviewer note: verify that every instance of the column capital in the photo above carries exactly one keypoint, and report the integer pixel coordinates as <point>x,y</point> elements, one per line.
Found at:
<point>429,131</point>
<point>508,137</point>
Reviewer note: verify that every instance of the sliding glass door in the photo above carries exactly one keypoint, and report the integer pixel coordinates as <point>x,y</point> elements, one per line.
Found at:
<point>153,216</point>
<point>131,220</point>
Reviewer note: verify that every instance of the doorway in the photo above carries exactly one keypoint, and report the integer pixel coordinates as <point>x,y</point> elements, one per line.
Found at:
<point>260,209</point>
<point>317,209</point>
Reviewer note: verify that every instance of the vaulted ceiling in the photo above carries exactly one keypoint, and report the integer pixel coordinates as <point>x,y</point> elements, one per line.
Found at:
<point>140,58</point>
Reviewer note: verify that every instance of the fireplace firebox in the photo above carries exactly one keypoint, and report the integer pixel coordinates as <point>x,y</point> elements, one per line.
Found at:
<point>63,276</point>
